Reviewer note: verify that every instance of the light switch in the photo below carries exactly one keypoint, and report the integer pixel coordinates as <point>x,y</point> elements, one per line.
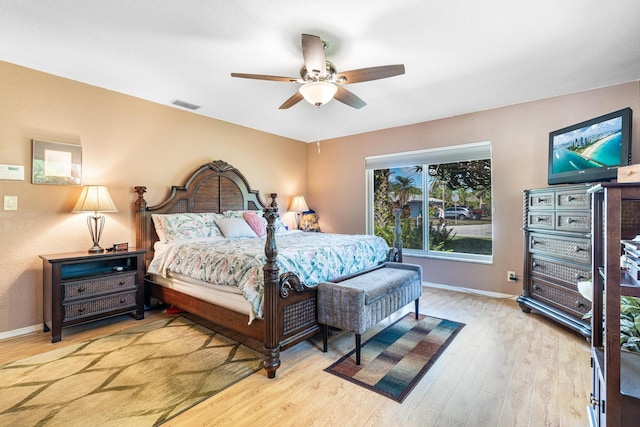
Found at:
<point>10,203</point>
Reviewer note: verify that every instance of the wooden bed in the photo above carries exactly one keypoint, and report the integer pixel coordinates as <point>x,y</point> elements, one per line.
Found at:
<point>289,307</point>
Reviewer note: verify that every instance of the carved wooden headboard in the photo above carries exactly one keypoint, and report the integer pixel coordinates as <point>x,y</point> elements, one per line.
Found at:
<point>213,187</point>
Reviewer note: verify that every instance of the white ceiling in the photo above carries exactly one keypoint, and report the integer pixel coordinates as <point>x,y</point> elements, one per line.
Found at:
<point>460,55</point>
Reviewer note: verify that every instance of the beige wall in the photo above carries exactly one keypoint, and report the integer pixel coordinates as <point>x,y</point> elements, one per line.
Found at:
<point>125,142</point>
<point>519,136</point>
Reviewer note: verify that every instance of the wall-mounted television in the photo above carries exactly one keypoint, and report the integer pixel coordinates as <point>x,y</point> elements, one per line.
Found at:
<point>590,151</point>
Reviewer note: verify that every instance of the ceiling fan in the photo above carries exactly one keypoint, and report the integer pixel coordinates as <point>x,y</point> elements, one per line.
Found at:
<point>320,80</point>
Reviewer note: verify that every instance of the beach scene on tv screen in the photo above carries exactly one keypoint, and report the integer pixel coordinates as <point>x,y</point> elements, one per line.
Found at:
<point>592,146</point>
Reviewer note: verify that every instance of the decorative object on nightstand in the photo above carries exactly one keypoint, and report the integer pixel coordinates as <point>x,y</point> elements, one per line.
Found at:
<point>309,221</point>
<point>80,287</point>
<point>298,206</point>
<point>95,198</point>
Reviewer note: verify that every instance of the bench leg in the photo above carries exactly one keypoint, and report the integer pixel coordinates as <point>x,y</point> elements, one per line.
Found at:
<point>358,342</point>
<point>417,304</point>
<point>325,338</point>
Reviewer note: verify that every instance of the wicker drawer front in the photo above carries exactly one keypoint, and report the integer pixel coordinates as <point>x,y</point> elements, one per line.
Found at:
<point>561,297</point>
<point>575,249</point>
<point>560,270</point>
<point>541,200</point>
<point>573,221</point>
<point>574,199</point>
<point>84,308</point>
<point>98,285</point>
<point>541,220</point>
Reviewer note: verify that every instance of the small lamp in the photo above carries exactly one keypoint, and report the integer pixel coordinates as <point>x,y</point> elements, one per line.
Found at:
<point>318,93</point>
<point>95,198</point>
<point>298,206</point>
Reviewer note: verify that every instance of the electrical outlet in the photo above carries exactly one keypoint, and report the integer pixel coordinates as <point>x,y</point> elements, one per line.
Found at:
<point>511,276</point>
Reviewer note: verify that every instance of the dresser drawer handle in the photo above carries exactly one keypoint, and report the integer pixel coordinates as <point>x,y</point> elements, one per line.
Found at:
<point>579,304</point>
<point>122,300</point>
<point>570,198</point>
<point>535,264</point>
<point>540,219</point>
<point>536,287</point>
<point>577,248</point>
<point>534,242</point>
<point>540,199</point>
<point>570,220</point>
<point>82,289</point>
<point>81,310</point>
<point>579,276</point>
<point>122,283</point>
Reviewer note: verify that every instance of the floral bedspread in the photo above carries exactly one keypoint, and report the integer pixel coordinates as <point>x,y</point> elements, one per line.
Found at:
<point>314,257</point>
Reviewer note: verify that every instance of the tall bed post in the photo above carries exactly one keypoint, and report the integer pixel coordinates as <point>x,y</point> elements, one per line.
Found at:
<point>271,286</point>
<point>143,239</point>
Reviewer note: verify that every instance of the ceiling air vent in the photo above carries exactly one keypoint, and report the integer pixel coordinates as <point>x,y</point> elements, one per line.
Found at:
<point>185,104</point>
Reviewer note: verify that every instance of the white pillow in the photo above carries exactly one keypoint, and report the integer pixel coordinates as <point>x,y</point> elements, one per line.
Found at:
<point>235,227</point>
<point>160,226</point>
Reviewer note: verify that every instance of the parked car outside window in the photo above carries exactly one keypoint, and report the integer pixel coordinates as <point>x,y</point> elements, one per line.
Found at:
<point>458,212</point>
<point>477,213</point>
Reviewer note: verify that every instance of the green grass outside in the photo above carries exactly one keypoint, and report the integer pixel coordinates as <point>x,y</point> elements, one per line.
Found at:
<point>471,245</point>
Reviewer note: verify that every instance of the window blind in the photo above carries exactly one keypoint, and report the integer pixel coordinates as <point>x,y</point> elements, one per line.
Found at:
<point>449,154</point>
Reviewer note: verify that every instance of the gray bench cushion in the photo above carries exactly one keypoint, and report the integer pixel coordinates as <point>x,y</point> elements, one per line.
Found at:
<point>379,283</point>
<point>358,303</point>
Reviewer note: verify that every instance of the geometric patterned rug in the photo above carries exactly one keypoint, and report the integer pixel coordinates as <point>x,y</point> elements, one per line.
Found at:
<point>141,376</point>
<point>396,358</point>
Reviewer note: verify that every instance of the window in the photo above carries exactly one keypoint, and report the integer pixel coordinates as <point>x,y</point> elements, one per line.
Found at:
<point>444,195</point>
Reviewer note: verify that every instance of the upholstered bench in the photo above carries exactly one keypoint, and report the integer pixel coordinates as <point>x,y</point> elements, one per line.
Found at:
<point>362,301</point>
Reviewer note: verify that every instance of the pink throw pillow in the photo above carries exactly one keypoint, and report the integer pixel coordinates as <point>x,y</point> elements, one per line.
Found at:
<point>255,223</point>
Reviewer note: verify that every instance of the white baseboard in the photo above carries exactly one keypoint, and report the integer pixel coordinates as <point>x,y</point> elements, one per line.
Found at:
<point>21,331</point>
<point>468,290</point>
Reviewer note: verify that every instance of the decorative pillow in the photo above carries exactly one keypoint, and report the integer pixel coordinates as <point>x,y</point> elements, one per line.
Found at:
<point>240,214</point>
<point>235,227</point>
<point>191,225</point>
<point>255,222</point>
<point>309,221</point>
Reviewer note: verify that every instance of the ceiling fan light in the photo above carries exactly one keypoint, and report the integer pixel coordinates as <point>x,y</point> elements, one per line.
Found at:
<point>318,93</point>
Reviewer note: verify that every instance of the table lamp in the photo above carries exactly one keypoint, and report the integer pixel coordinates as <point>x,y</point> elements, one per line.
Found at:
<point>298,206</point>
<point>95,198</point>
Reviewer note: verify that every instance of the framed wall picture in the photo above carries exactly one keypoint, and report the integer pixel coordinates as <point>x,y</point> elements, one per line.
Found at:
<point>56,163</point>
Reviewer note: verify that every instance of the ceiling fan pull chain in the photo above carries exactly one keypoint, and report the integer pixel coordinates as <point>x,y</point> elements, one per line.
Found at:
<point>318,124</point>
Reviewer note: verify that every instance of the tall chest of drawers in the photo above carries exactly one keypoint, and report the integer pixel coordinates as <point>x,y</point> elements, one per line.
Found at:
<point>557,254</point>
<point>80,287</point>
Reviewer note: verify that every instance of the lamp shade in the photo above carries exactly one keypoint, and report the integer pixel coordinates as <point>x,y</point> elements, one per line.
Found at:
<point>299,204</point>
<point>318,93</point>
<point>95,198</point>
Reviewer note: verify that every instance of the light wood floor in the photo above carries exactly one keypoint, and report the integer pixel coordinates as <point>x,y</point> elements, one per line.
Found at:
<point>505,368</point>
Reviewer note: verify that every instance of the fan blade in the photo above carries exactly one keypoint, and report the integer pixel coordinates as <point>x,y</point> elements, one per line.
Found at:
<point>349,98</point>
<point>371,73</point>
<point>295,98</point>
<point>265,77</point>
<point>313,53</point>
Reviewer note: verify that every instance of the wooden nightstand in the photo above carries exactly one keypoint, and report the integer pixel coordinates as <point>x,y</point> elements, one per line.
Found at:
<point>81,287</point>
